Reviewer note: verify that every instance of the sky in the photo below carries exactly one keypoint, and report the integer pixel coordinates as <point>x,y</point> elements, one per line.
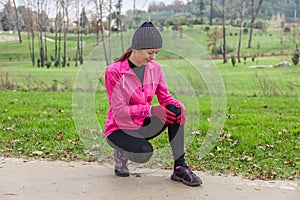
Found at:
<point>143,4</point>
<point>128,4</point>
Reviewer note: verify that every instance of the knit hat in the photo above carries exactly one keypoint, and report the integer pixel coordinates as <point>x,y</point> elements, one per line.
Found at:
<point>146,37</point>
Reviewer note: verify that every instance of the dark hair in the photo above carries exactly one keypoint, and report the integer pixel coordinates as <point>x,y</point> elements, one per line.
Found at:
<point>126,55</point>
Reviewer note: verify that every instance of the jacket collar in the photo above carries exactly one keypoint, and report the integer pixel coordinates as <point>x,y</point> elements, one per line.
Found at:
<point>125,68</point>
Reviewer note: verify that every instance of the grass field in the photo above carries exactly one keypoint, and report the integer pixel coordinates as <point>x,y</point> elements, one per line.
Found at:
<point>260,137</point>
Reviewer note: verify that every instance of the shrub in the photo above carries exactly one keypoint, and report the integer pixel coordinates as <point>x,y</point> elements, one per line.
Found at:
<point>253,57</point>
<point>48,64</point>
<point>207,28</point>
<point>296,56</point>
<point>245,60</point>
<point>39,62</point>
<point>233,60</point>
<point>287,30</point>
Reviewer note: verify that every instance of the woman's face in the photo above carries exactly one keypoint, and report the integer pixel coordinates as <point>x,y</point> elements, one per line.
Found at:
<point>144,56</point>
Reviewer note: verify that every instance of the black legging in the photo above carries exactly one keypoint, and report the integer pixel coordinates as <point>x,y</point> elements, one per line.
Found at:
<point>135,145</point>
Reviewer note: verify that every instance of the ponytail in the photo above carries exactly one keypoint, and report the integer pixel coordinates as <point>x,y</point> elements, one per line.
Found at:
<point>126,55</point>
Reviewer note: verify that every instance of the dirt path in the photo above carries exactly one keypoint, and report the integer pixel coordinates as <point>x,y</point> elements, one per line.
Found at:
<point>41,180</point>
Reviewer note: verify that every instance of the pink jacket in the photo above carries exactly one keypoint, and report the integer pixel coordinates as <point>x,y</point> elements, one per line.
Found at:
<point>129,100</point>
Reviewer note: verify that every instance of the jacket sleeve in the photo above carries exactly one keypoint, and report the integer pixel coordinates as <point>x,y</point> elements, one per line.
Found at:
<point>164,97</point>
<point>126,116</point>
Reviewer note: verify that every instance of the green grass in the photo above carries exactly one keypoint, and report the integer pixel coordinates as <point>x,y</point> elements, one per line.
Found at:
<point>260,137</point>
<point>264,43</point>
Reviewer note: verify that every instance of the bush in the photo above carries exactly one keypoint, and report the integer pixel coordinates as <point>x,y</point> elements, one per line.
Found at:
<point>233,60</point>
<point>219,50</point>
<point>287,30</point>
<point>207,28</point>
<point>245,60</point>
<point>253,57</point>
<point>296,56</point>
<point>48,64</point>
<point>39,62</point>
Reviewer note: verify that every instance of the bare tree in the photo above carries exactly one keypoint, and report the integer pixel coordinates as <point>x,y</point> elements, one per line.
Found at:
<point>225,60</point>
<point>119,22</point>
<point>40,23</point>
<point>241,31</point>
<point>57,30</point>
<point>17,22</point>
<point>9,14</point>
<point>254,15</point>
<point>109,34</point>
<point>30,27</point>
<point>65,5</point>
<point>99,4</point>
<point>211,13</point>
<point>79,17</point>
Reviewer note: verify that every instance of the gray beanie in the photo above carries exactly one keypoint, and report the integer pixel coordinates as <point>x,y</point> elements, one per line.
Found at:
<point>146,37</point>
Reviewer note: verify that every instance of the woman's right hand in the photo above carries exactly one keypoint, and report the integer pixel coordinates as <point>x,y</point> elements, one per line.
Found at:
<point>165,115</point>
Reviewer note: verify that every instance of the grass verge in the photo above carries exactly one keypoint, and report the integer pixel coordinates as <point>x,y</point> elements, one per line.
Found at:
<point>264,145</point>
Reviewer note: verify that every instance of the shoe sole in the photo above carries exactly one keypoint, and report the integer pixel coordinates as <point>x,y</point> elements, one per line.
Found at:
<point>177,178</point>
<point>117,173</point>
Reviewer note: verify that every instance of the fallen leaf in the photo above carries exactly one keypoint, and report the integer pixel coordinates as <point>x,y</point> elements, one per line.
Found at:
<point>37,153</point>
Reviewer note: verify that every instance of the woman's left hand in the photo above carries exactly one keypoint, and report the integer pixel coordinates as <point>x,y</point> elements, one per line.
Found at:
<point>181,119</point>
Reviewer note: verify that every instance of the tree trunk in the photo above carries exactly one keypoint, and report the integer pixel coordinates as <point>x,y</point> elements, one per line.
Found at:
<point>109,35</point>
<point>254,15</point>
<point>30,34</point>
<point>211,13</point>
<point>120,25</point>
<point>65,20</point>
<point>46,48</point>
<point>78,35</point>
<point>32,46</point>
<point>17,18</point>
<point>59,43</point>
<point>81,47</point>
<point>224,32</point>
<point>102,31</point>
<point>78,44</point>
<point>241,32</point>
<point>40,31</point>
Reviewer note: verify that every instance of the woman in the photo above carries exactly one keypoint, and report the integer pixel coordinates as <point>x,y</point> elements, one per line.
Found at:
<point>131,83</point>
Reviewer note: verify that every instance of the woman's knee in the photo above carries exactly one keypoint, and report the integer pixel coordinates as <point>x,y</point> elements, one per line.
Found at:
<point>174,109</point>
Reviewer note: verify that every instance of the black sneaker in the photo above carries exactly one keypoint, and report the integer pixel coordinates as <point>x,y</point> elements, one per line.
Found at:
<point>121,166</point>
<point>184,174</point>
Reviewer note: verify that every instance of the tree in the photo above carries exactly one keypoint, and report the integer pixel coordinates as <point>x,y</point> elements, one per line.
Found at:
<point>119,22</point>
<point>224,32</point>
<point>241,31</point>
<point>214,37</point>
<point>7,19</point>
<point>30,27</point>
<point>41,23</point>
<point>65,4</point>
<point>17,21</point>
<point>254,13</point>
<point>211,13</point>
